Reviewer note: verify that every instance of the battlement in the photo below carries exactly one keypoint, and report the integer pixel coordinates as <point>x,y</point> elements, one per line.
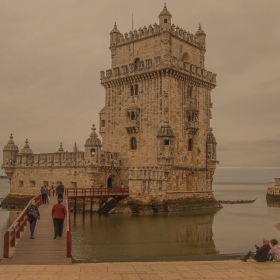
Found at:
<point>151,65</point>
<point>155,30</point>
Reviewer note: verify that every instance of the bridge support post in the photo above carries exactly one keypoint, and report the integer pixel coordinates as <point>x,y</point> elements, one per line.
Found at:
<point>84,205</point>
<point>91,200</point>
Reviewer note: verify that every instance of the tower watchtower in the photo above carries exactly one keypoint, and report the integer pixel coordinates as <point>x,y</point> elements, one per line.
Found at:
<point>158,109</point>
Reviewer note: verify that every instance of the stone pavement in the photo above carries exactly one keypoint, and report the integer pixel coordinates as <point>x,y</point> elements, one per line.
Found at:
<point>229,269</point>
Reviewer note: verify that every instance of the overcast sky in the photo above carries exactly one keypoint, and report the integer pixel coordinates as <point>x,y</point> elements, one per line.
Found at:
<point>52,51</point>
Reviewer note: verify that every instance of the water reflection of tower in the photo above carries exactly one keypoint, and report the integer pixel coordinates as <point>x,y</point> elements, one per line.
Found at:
<point>197,234</point>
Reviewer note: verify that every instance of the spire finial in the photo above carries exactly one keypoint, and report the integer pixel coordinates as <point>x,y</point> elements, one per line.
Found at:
<point>93,128</point>
<point>75,148</point>
<point>60,150</point>
<point>199,27</point>
<point>115,25</point>
<point>26,144</point>
<point>11,141</point>
<point>165,8</point>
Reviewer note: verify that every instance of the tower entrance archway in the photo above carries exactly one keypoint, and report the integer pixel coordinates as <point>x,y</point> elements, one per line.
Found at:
<point>111,181</point>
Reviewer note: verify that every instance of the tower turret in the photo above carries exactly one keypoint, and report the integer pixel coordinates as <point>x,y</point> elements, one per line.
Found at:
<point>165,145</point>
<point>165,19</point>
<point>93,147</point>
<point>200,37</point>
<point>26,149</point>
<point>10,153</point>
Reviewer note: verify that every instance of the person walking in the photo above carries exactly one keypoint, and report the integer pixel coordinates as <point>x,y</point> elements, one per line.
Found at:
<point>60,191</point>
<point>44,194</point>
<point>58,214</point>
<point>32,218</point>
<point>53,188</point>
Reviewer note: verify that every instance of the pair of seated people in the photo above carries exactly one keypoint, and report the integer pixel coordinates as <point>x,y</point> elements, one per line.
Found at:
<point>265,252</point>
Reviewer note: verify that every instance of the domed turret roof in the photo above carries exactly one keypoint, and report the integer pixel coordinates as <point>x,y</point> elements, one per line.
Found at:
<point>115,29</point>
<point>93,139</point>
<point>165,12</point>
<point>60,150</point>
<point>165,130</point>
<point>211,138</point>
<point>26,149</point>
<point>11,145</point>
<point>199,32</point>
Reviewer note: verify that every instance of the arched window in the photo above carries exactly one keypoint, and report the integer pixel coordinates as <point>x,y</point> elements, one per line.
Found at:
<point>131,90</point>
<point>188,92</point>
<point>190,144</point>
<point>136,90</point>
<point>92,152</point>
<point>133,116</point>
<point>133,143</point>
<point>136,63</point>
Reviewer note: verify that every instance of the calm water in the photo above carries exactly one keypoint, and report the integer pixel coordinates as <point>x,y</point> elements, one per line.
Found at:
<point>233,229</point>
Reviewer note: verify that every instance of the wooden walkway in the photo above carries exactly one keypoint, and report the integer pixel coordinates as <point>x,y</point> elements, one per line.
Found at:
<point>44,249</point>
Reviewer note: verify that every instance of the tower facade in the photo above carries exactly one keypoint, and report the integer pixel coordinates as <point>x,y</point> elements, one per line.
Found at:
<point>158,109</point>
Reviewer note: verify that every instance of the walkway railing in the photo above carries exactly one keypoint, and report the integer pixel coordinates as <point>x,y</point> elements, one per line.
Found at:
<point>68,228</point>
<point>17,226</point>
<point>96,192</point>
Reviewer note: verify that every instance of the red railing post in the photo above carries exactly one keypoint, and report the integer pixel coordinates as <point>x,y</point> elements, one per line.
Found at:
<point>6,244</point>
<point>13,238</point>
<point>18,229</point>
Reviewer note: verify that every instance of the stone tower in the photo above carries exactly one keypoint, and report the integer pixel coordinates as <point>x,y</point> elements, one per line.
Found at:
<point>158,109</point>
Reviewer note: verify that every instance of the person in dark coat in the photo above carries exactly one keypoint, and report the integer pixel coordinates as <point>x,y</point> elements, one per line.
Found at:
<point>261,254</point>
<point>32,221</point>
<point>60,190</point>
<point>58,214</point>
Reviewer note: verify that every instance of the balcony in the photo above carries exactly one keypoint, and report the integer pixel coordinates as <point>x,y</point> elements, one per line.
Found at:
<point>192,127</point>
<point>132,126</point>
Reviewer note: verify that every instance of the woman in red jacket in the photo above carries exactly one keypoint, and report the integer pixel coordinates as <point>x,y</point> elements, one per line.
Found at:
<point>58,214</point>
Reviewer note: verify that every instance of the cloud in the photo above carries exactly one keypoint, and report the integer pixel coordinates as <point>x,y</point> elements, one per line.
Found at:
<point>52,53</point>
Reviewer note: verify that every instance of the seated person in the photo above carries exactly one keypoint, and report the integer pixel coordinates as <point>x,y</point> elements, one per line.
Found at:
<point>261,254</point>
<point>274,253</point>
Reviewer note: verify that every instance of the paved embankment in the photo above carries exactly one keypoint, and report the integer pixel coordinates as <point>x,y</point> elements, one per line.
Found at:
<point>233,269</point>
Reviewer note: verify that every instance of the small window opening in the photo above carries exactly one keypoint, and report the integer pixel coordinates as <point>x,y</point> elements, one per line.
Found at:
<point>133,143</point>
<point>136,63</point>
<point>166,142</point>
<point>92,151</point>
<point>189,92</point>
<point>190,145</point>
<point>136,89</point>
<point>102,123</point>
<point>131,90</point>
<point>20,184</point>
<point>165,20</point>
<point>133,116</point>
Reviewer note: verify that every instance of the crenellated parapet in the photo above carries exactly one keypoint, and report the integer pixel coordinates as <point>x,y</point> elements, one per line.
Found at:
<point>149,66</point>
<point>155,30</point>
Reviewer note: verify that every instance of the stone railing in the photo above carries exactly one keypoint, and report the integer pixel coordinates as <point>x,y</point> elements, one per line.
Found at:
<point>155,30</point>
<point>150,65</point>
